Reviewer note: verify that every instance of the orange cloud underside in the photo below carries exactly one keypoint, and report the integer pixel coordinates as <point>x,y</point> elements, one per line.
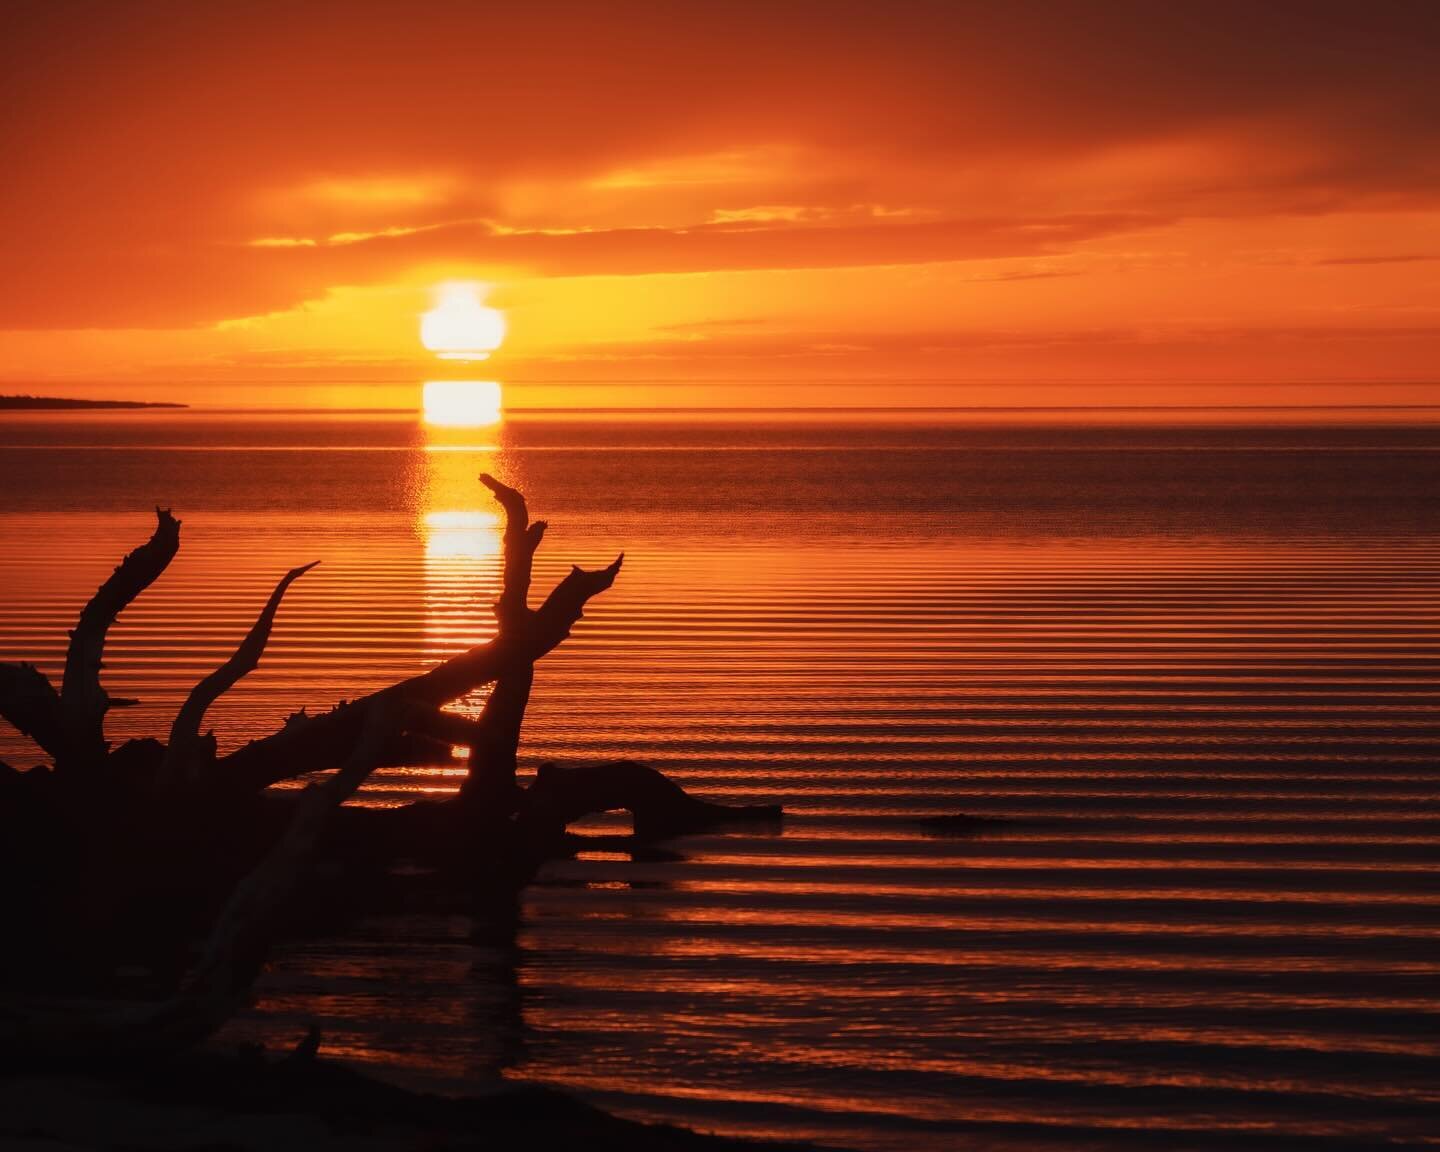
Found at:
<point>964,203</point>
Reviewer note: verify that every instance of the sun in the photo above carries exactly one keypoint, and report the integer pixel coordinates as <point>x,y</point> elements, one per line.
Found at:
<point>460,326</point>
<point>462,403</point>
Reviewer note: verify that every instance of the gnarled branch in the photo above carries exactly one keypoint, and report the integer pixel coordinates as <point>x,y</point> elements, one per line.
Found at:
<point>185,746</point>
<point>29,702</point>
<point>521,540</point>
<point>83,702</point>
<point>241,938</point>
<point>117,848</point>
<point>494,747</point>
<point>309,743</point>
<point>234,952</point>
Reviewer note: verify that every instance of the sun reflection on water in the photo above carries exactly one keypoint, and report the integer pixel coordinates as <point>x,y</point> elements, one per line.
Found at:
<point>462,403</point>
<point>456,521</point>
<point>457,533</point>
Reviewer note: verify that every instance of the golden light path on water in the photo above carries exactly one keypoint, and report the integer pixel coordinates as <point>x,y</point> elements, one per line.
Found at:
<point>461,541</point>
<point>461,535</point>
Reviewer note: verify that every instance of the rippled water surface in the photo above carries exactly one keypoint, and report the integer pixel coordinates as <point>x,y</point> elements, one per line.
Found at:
<point>1189,672</point>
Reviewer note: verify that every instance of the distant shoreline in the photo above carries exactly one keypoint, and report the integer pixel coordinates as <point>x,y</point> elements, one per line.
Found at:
<point>21,403</point>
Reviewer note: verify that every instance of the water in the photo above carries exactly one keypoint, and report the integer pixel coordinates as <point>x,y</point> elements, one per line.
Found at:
<point>1192,668</point>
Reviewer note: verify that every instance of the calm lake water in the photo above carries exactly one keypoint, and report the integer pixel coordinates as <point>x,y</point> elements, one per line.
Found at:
<point>1194,669</point>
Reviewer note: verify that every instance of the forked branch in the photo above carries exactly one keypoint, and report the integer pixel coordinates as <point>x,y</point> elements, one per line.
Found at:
<point>494,747</point>
<point>520,543</point>
<point>107,850</point>
<point>309,743</point>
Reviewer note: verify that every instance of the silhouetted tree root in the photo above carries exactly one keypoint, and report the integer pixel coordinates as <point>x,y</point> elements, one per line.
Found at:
<point>42,1036</point>
<point>129,858</point>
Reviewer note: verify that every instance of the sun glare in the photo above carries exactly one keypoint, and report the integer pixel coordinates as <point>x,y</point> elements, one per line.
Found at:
<point>449,535</point>
<point>460,327</point>
<point>462,403</point>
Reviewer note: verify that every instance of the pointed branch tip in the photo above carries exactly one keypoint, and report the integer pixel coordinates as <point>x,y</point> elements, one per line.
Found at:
<point>185,730</point>
<point>511,499</point>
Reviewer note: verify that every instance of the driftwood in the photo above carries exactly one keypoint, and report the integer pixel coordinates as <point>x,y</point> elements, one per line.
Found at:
<point>180,863</point>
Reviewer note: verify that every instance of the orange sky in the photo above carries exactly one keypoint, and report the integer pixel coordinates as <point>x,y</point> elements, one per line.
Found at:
<point>938,203</point>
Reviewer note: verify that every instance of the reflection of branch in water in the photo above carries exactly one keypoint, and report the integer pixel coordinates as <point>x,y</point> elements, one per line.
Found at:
<point>496,1003</point>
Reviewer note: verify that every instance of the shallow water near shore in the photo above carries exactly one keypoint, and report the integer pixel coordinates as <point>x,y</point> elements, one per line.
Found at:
<point>1190,672</point>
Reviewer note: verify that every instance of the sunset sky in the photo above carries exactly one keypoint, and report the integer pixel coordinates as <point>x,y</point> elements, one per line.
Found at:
<point>693,204</point>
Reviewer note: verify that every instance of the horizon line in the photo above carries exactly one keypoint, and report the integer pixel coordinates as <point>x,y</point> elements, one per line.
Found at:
<point>716,381</point>
<point>816,409</point>
<point>883,408</point>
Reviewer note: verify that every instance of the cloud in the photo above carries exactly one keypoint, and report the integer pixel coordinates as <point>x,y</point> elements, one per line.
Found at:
<point>228,281</point>
<point>178,164</point>
<point>1413,258</point>
<point>1287,360</point>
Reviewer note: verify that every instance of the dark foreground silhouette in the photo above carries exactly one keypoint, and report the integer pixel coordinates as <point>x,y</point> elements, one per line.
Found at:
<point>209,1103</point>
<point>143,885</point>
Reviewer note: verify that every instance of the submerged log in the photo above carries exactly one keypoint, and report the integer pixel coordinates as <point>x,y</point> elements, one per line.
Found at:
<point>153,850</point>
<point>659,807</point>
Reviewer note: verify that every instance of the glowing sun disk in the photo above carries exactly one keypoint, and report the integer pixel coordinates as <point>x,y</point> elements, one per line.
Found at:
<point>460,327</point>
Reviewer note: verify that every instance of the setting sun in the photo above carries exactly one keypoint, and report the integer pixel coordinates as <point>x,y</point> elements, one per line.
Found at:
<point>460,327</point>
<point>462,403</point>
